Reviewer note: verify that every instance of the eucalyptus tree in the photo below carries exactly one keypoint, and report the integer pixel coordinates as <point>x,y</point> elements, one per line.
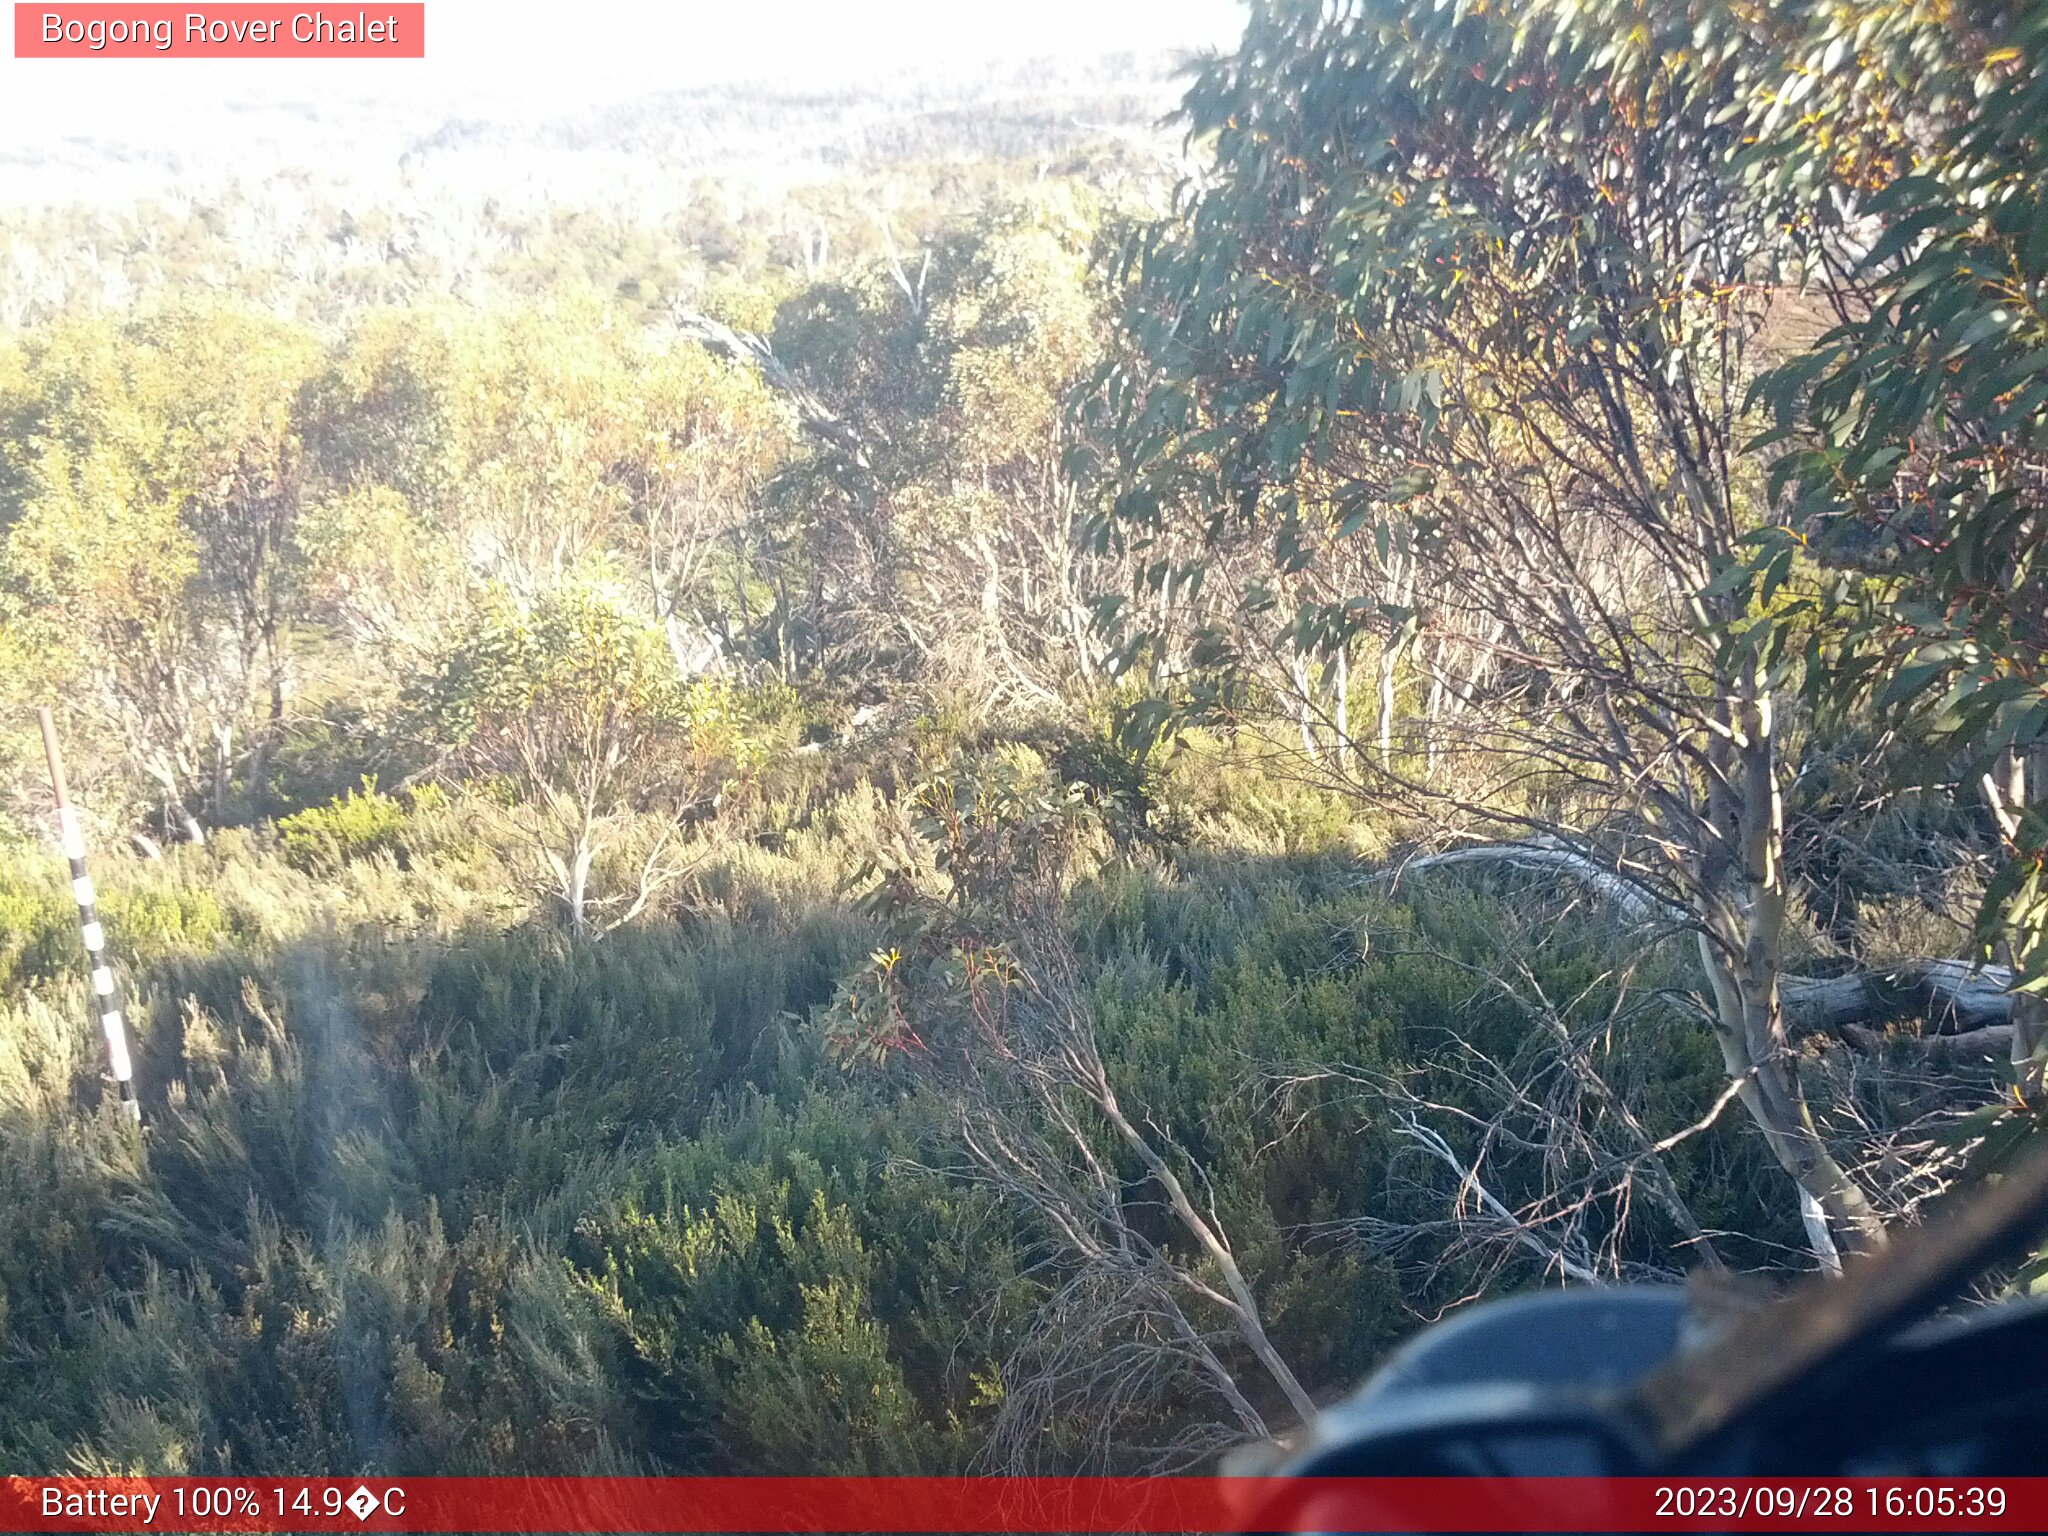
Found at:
<point>572,706</point>
<point>456,448</point>
<point>1914,433</point>
<point>1012,321</point>
<point>1484,288</point>
<point>934,521</point>
<point>152,564</point>
<point>698,441</point>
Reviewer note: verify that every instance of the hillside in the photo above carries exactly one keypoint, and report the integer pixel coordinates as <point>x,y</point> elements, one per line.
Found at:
<point>366,147</point>
<point>934,776</point>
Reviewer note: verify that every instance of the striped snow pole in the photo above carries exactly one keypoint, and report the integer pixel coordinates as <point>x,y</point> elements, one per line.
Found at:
<point>89,925</point>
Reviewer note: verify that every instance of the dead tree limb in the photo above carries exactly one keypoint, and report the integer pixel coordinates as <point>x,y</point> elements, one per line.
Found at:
<point>1630,897</point>
<point>1954,996</point>
<point>744,347</point>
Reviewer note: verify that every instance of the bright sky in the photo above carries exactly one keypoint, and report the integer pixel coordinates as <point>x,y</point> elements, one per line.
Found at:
<point>560,53</point>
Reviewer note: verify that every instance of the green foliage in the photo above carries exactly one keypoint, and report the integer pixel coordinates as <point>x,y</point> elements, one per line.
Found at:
<point>751,1325</point>
<point>38,925</point>
<point>569,666</point>
<point>1917,429</point>
<point>1019,536</point>
<point>148,921</point>
<point>361,823</point>
<point>149,554</point>
<point>274,1289</point>
<point>1911,439</point>
<point>1395,253</point>
<point>500,1201</point>
<point>1227,804</point>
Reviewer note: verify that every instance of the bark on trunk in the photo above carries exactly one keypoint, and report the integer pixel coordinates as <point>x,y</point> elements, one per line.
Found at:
<point>1741,909</point>
<point>1304,709</point>
<point>1739,916</point>
<point>572,880</point>
<point>1341,683</point>
<point>223,767</point>
<point>2008,792</point>
<point>1749,1026</point>
<point>579,890</point>
<point>1389,670</point>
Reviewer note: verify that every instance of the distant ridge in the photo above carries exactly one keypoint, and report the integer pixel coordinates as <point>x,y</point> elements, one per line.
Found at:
<point>368,144</point>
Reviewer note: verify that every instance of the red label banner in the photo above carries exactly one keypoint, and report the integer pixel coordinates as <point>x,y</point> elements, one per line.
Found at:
<point>1028,1506</point>
<point>231,31</point>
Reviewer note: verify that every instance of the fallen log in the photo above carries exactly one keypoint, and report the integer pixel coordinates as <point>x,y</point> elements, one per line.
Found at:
<point>1961,1002</point>
<point>1993,1040</point>
<point>1953,996</point>
<point>1630,897</point>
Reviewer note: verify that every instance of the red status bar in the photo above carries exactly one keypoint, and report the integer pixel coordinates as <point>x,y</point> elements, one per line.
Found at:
<point>1021,1505</point>
<point>221,31</point>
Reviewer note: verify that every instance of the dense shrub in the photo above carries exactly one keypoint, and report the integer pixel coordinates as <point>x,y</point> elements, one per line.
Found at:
<point>362,822</point>
<point>431,1185</point>
<point>38,924</point>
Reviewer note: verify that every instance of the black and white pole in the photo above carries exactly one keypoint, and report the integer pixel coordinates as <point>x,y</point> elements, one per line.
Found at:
<point>103,997</point>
